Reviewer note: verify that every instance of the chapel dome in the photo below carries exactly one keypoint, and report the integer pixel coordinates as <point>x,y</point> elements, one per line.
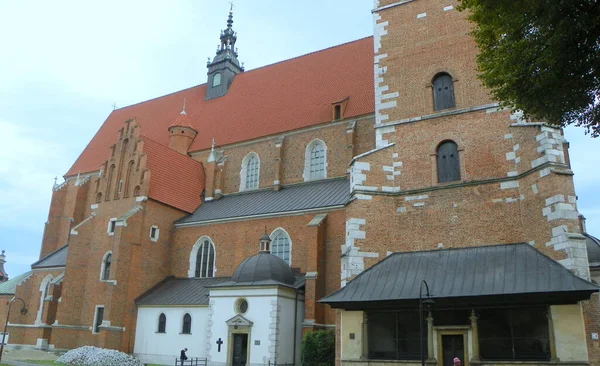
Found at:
<point>593,249</point>
<point>263,266</point>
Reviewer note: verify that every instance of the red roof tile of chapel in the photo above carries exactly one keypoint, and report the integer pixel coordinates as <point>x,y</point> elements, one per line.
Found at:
<point>176,180</point>
<point>288,95</point>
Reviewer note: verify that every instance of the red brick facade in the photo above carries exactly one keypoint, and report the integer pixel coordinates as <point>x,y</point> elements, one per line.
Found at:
<point>515,186</point>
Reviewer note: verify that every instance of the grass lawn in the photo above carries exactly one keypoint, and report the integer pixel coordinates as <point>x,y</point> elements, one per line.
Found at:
<point>42,362</point>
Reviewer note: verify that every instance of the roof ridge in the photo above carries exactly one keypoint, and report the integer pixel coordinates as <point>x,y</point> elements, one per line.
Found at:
<point>307,54</point>
<point>460,248</point>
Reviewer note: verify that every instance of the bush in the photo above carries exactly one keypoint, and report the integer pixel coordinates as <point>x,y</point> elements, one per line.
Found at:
<point>318,348</point>
<point>94,356</point>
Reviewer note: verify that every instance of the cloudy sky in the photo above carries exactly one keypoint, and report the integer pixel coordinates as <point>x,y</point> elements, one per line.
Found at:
<point>64,63</point>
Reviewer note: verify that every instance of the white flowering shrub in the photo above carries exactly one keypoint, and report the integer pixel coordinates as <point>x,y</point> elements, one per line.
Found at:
<point>94,356</point>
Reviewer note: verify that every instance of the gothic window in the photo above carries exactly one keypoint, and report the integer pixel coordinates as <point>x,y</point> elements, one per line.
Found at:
<point>216,79</point>
<point>280,245</point>
<point>105,267</point>
<point>394,335</point>
<point>128,178</point>
<point>448,164</point>
<point>250,172</point>
<point>315,161</point>
<point>202,259</point>
<point>443,92</point>
<point>136,191</point>
<point>98,318</point>
<point>162,323</point>
<point>44,291</point>
<point>517,334</point>
<point>187,324</point>
<point>111,172</point>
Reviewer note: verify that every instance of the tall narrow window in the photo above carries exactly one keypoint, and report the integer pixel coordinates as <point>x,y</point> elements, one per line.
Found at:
<point>162,323</point>
<point>443,92</point>
<point>394,335</point>
<point>448,164</point>
<point>315,161</point>
<point>205,260</point>
<point>109,178</point>
<point>216,79</point>
<point>250,172</point>
<point>106,266</point>
<point>337,112</point>
<point>187,324</point>
<point>128,178</point>
<point>98,318</point>
<point>280,245</point>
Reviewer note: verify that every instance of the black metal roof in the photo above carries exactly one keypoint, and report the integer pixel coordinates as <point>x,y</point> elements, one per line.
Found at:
<point>261,267</point>
<point>57,258</point>
<point>499,271</point>
<point>179,291</point>
<point>313,195</point>
<point>593,250</point>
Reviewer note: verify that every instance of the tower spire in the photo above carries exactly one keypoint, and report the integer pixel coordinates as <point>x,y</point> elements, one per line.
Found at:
<point>225,65</point>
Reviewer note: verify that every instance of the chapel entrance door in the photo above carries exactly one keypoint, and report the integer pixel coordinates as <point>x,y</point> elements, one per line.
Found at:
<point>240,349</point>
<point>452,346</point>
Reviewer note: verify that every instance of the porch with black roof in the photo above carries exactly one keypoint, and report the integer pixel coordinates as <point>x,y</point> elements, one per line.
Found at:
<point>505,296</point>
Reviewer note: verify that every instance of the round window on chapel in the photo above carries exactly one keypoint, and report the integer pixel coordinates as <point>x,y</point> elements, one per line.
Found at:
<point>241,306</point>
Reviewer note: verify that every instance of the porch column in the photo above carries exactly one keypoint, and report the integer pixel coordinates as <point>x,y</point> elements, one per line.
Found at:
<point>429,336</point>
<point>475,333</point>
<point>551,340</point>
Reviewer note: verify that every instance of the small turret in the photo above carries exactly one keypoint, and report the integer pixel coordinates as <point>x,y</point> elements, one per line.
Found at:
<point>265,243</point>
<point>181,132</point>
<point>225,65</point>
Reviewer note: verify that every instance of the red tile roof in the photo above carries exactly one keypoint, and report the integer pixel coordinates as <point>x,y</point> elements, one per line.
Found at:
<point>182,120</point>
<point>269,100</point>
<point>176,180</point>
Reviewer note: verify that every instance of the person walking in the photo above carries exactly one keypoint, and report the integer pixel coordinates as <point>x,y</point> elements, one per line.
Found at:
<point>183,356</point>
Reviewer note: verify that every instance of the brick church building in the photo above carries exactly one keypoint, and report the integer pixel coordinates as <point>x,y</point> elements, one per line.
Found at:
<point>322,189</point>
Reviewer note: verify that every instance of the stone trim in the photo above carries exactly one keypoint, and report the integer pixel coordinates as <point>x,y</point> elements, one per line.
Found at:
<point>274,328</point>
<point>437,115</point>
<point>392,5</point>
<point>550,166</point>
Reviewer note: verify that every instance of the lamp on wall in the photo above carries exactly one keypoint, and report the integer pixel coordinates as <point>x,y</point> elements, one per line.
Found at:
<point>23,311</point>
<point>428,303</point>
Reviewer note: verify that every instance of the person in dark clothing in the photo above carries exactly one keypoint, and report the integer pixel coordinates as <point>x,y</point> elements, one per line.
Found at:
<point>183,356</point>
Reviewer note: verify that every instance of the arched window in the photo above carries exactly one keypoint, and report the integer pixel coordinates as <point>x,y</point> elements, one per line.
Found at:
<point>443,92</point>
<point>202,259</point>
<point>216,79</point>
<point>136,191</point>
<point>315,161</point>
<point>99,197</point>
<point>44,292</point>
<point>448,164</point>
<point>162,323</point>
<point>111,172</point>
<point>250,172</point>
<point>186,328</point>
<point>105,267</point>
<point>281,244</point>
<point>128,178</point>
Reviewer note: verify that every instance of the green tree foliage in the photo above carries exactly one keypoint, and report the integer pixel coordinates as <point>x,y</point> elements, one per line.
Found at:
<point>541,57</point>
<point>318,348</point>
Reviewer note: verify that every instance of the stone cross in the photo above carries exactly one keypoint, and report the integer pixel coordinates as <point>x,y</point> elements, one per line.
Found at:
<point>219,343</point>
